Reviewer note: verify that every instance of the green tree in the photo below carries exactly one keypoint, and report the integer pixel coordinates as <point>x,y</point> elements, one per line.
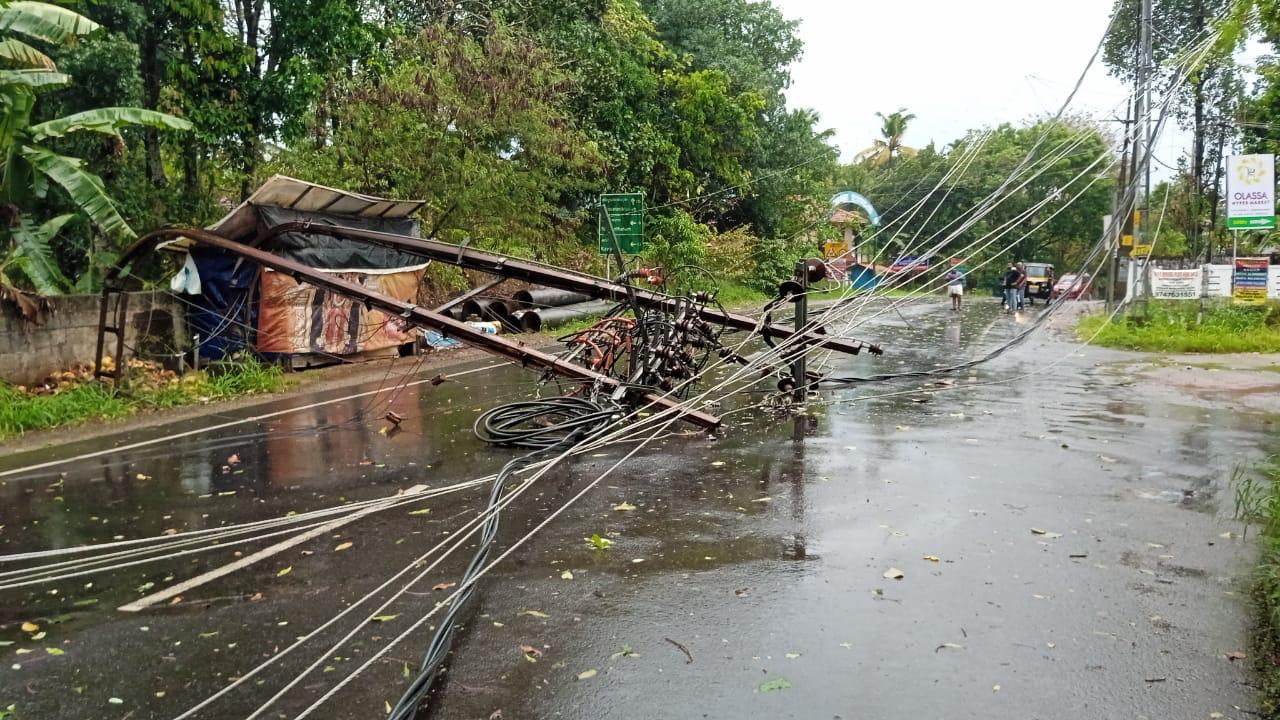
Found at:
<point>750,41</point>
<point>30,166</point>
<point>493,149</point>
<point>889,145</point>
<point>1208,96</point>
<point>1072,224</point>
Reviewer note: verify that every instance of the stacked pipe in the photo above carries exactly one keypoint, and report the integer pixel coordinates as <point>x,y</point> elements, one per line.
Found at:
<point>546,307</point>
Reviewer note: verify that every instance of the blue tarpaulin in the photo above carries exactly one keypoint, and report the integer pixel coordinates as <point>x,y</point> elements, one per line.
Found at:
<point>223,313</point>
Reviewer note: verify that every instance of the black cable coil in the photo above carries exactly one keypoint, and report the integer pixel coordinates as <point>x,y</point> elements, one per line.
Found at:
<point>542,423</point>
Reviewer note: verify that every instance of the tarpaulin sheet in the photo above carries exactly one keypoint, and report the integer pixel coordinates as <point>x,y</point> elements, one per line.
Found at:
<point>329,253</point>
<point>296,318</point>
<point>222,314</point>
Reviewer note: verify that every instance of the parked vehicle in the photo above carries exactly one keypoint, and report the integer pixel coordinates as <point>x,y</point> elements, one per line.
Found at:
<point>1039,281</point>
<point>1073,286</point>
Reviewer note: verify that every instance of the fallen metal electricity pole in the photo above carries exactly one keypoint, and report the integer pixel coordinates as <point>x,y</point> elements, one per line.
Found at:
<point>409,312</point>
<point>527,271</point>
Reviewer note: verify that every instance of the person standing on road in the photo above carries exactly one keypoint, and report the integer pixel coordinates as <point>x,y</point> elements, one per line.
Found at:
<point>955,287</point>
<point>1010,285</point>
<point>1022,285</point>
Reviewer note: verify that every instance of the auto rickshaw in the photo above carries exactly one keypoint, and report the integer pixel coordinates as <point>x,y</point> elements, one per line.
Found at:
<point>1040,281</point>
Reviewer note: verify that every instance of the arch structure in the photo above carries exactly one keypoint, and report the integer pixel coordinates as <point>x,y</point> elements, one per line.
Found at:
<point>848,200</point>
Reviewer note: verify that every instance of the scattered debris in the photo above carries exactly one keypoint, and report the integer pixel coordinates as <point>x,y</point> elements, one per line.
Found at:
<point>682,649</point>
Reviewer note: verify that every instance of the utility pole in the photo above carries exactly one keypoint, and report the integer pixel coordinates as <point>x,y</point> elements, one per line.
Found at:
<point>1141,179</point>
<point>1121,215</point>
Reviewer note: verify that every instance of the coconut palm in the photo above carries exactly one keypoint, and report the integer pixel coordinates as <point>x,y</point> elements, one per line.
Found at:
<point>27,164</point>
<point>892,127</point>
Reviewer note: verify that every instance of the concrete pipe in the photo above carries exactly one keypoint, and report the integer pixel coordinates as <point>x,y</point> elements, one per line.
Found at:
<point>539,298</point>
<point>536,320</point>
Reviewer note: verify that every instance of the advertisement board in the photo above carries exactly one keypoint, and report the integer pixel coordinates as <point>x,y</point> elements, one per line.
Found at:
<point>1251,189</point>
<point>1273,282</point>
<point>1176,284</point>
<point>911,262</point>
<point>1217,280</point>
<point>1250,286</point>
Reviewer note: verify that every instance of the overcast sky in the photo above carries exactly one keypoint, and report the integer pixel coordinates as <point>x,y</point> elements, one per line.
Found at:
<point>956,64</point>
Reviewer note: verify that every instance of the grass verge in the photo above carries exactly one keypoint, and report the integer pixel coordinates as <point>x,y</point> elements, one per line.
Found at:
<point>1180,326</point>
<point>22,412</point>
<point>1258,505</point>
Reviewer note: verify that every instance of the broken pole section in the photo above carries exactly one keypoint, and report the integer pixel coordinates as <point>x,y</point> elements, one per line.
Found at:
<point>516,269</point>
<point>409,312</point>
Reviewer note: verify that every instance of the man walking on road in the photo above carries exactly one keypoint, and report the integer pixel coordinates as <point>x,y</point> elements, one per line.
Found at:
<point>1010,285</point>
<point>955,287</point>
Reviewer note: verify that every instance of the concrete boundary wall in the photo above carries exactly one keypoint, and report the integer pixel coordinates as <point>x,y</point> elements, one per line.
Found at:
<point>67,334</point>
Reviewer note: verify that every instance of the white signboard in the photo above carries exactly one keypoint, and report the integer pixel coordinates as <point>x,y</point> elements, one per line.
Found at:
<point>1251,190</point>
<point>1273,282</point>
<point>1217,280</point>
<point>1176,284</point>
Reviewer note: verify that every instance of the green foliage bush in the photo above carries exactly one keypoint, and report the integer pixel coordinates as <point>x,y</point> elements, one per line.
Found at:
<point>1257,503</point>
<point>22,412</point>
<point>1180,326</point>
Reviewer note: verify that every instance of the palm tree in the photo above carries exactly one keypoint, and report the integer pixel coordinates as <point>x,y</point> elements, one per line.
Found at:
<point>892,127</point>
<point>28,166</point>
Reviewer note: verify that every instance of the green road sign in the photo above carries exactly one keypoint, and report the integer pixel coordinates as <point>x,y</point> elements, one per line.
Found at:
<point>626,213</point>
<point>1265,222</point>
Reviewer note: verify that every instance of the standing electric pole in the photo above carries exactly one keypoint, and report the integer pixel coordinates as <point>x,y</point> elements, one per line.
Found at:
<point>1142,191</point>
<point>1121,224</point>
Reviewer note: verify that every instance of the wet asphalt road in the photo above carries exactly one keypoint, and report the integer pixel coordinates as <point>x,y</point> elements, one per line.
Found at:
<point>1065,543</point>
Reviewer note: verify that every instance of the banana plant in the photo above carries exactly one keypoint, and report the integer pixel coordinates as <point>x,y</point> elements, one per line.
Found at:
<point>28,166</point>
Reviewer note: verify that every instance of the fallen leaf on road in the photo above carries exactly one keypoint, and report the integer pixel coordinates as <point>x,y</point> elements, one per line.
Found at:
<point>385,618</point>
<point>792,655</point>
<point>995,688</point>
<point>894,574</point>
<point>1236,655</point>
<point>39,636</point>
<point>932,558</point>
<point>566,575</point>
<point>423,511</point>
<point>55,651</point>
<point>343,546</point>
<point>30,627</point>
<point>774,685</point>
<point>140,476</point>
<point>624,506</point>
<point>534,613</point>
<point>742,592</point>
<point>1046,533</point>
<point>766,498</point>
<point>442,586</point>
<point>587,674</point>
<point>951,646</point>
<point>717,463</point>
<point>285,571</point>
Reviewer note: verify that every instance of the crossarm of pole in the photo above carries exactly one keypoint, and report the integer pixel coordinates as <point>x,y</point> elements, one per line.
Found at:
<point>409,312</point>
<point>538,273</point>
